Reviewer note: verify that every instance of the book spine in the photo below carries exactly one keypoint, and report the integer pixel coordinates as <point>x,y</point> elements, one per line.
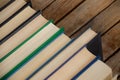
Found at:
<point>8,54</point>
<point>3,7</point>
<point>35,52</point>
<point>85,68</point>
<point>20,27</point>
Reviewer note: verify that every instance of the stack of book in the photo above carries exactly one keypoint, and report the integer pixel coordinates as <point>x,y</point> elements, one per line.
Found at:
<point>33,48</point>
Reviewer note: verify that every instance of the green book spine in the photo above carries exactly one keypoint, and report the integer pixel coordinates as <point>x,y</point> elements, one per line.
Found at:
<point>35,52</point>
<point>12,51</point>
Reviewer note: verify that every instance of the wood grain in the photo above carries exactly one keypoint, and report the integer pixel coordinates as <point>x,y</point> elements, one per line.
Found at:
<point>41,4</point>
<point>60,8</point>
<point>111,41</point>
<point>114,63</point>
<point>82,14</point>
<point>105,20</point>
<point>109,17</point>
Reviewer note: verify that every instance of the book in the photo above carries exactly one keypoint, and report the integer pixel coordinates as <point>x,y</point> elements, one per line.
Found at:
<point>33,48</point>
<point>17,20</point>
<point>40,58</point>
<point>14,14</point>
<point>25,50</point>
<point>93,48</point>
<point>62,56</point>
<point>97,71</point>
<point>20,27</point>
<point>35,52</point>
<point>10,9</point>
<point>25,32</point>
<point>71,66</point>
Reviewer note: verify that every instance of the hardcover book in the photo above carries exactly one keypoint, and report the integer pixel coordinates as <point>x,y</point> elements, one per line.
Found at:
<point>33,48</point>
<point>10,9</point>
<point>29,27</point>
<point>17,20</point>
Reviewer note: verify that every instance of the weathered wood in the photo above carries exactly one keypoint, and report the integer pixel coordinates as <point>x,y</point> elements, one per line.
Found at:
<point>40,4</point>
<point>111,41</point>
<point>60,8</point>
<point>82,14</point>
<point>105,20</point>
<point>109,18</point>
<point>3,2</point>
<point>114,63</point>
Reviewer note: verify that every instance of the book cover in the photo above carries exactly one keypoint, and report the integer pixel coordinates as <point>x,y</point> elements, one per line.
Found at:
<point>32,54</point>
<point>25,32</point>
<point>41,58</point>
<point>9,17</point>
<point>17,20</point>
<point>64,54</point>
<point>20,27</point>
<point>8,11</point>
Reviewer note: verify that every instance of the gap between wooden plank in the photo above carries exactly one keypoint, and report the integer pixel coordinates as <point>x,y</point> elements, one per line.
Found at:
<point>41,4</point>
<point>60,8</point>
<point>69,12</point>
<point>112,55</point>
<point>114,63</point>
<point>82,14</point>
<point>102,34</point>
<point>111,41</point>
<point>103,21</point>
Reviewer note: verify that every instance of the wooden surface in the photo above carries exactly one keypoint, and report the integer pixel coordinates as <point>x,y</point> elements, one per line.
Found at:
<point>3,2</point>
<point>77,15</point>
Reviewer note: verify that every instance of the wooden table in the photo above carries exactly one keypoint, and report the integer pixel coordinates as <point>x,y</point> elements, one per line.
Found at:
<point>77,15</point>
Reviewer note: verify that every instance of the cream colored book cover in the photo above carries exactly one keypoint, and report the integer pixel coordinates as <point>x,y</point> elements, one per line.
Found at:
<point>21,35</point>
<point>41,58</point>
<point>73,66</point>
<point>97,71</point>
<point>66,53</point>
<point>16,21</point>
<point>11,9</point>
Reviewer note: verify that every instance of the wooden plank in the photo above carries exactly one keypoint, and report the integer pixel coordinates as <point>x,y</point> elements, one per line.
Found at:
<point>41,4</point>
<point>105,20</point>
<point>82,14</point>
<point>3,2</point>
<point>60,8</point>
<point>114,63</point>
<point>111,41</point>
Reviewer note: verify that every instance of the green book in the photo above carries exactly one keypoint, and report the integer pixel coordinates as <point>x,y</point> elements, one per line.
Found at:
<point>13,50</point>
<point>38,41</point>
